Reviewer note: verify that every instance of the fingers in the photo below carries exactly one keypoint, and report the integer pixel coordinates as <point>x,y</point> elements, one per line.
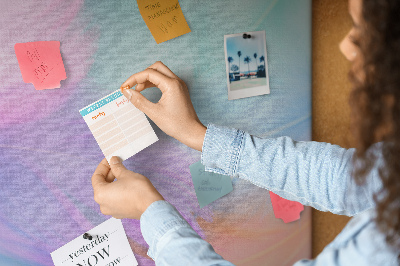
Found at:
<point>160,67</point>
<point>140,102</point>
<point>117,167</point>
<point>157,75</point>
<point>159,80</point>
<point>100,174</point>
<point>110,177</point>
<point>142,86</point>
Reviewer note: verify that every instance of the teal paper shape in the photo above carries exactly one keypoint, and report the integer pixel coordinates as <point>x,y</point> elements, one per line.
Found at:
<point>209,186</point>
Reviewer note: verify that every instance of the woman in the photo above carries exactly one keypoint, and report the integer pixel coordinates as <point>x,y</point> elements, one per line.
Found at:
<point>316,174</point>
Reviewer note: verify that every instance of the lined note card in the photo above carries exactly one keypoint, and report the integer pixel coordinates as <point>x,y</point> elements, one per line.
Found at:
<point>164,18</point>
<point>118,126</point>
<point>41,64</point>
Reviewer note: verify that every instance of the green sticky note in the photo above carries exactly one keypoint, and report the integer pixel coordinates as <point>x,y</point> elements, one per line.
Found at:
<point>209,186</point>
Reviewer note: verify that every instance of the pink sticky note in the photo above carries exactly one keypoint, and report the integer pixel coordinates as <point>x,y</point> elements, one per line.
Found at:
<point>41,64</point>
<point>284,209</point>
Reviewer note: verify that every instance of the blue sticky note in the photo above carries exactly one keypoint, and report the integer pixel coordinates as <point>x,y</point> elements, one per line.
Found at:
<point>209,186</point>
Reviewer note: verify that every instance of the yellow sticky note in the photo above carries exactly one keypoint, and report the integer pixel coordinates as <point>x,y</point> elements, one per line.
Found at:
<point>164,18</point>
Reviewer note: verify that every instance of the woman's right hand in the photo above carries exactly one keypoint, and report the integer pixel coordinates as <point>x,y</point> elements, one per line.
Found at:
<point>173,113</point>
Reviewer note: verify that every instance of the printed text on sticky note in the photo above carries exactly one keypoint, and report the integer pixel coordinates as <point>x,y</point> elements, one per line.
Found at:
<point>108,246</point>
<point>41,64</point>
<point>209,186</point>
<point>118,126</point>
<point>164,18</point>
<point>284,209</point>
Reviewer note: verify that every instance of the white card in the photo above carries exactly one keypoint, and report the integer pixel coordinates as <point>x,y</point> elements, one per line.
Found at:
<point>118,126</point>
<point>109,246</point>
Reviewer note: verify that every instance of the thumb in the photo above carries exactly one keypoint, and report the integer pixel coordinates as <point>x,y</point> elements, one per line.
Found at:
<point>117,168</point>
<point>138,100</point>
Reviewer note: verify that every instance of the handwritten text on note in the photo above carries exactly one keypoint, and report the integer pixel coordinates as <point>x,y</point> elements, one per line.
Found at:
<point>207,185</point>
<point>41,63</point>
<point>284,209</point>
<point>164,18</point>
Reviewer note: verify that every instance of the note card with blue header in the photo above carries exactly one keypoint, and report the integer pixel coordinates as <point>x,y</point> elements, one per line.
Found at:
<point>118,126</point>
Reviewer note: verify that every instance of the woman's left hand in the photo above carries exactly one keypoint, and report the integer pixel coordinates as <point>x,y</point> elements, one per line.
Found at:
<point>128,196</point>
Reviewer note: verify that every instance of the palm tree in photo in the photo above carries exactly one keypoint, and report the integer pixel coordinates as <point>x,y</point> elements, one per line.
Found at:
<point>247,60</point>
<point>255,59</point>
<point>234,68</point>
<point>230,60</point>
<point>262,59</point>
<point>239,54</point>
<point>261,68</point>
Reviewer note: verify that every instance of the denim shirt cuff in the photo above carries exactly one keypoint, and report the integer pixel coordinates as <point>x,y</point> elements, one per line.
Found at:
<point>158,219</point>
<point>222,148</point>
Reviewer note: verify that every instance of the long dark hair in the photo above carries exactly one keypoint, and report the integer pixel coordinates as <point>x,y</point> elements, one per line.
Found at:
<point>375,102</point>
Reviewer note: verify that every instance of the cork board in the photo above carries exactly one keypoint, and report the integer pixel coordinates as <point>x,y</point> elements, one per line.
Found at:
<point>331,89</point>
<point>49,154</point>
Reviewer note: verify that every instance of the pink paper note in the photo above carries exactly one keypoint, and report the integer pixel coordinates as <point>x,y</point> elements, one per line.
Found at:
<point>41,64</point>
<point>284,209</point>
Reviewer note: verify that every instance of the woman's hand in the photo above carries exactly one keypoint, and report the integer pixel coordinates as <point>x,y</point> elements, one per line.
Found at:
<point>128,196</point>
<point>173,113</point>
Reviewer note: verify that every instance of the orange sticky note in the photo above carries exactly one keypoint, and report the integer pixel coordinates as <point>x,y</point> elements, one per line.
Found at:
<point>284,209</point>
<point>41,64</point>
<point>164,18</point>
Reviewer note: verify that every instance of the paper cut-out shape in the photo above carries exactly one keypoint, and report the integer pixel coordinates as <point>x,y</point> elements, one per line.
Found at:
<point>108,246</point>
<point>284,209</point>
<point>41,63</point>
<point>164,18</point>
<point>209,186</point>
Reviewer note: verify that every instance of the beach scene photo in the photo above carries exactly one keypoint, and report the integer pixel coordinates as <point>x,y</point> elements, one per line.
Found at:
<point>246,64</point>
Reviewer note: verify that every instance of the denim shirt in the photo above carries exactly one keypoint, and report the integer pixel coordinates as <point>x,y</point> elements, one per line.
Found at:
<point>312,173</point>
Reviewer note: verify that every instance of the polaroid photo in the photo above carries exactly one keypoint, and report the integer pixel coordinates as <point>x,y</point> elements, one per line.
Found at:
<point>246,64</point>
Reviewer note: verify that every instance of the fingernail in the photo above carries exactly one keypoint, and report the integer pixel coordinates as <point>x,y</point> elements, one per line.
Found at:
<point>115,160</point>
<point>125,88</point>
<point>128,94</point>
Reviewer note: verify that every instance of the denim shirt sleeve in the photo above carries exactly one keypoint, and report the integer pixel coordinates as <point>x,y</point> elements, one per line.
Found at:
<point>172,241</point>
<point>312,173</point>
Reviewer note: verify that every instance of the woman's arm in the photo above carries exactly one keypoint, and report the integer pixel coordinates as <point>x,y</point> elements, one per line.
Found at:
<point>313,173</point>
<point>172,241</point>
